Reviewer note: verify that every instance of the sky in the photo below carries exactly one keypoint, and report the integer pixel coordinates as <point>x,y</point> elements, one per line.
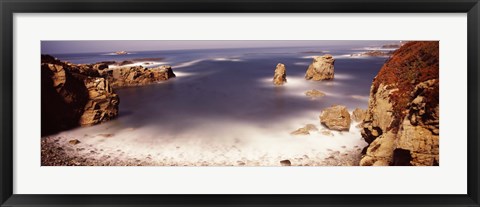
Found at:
<point>86,46</point>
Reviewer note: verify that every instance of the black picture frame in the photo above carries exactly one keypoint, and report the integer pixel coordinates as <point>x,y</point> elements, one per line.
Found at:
<point>10,7</point>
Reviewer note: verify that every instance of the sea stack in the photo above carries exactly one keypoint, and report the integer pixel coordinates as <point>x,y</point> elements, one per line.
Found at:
<point>280,76</point>
<point>321,68</point>
<point>401,125</point>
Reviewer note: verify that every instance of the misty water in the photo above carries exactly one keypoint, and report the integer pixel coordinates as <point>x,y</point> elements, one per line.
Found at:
<point>223,109</point>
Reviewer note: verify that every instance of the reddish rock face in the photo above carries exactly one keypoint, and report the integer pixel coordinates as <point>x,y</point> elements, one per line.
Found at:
<point>74,95</point>
<point>402,120</point>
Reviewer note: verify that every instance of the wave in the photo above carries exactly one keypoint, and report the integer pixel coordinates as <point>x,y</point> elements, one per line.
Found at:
<point>227,59</point>
<point>144,64</point>
<point>189,63</point>
<point>301,63</point>
<point>358,97</point>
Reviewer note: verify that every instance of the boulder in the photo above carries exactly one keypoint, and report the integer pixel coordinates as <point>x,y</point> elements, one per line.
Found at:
<point>314,93</point>
<point>401,124</point>
<point>358,114</point>
<point>280,75</point>
<point>285,163</point>
<point>321,68</point>
<point>74,142</point>
<point>336,118</point>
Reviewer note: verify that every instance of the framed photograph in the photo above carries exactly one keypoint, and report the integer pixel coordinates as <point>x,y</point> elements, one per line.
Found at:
<point>239,103</point>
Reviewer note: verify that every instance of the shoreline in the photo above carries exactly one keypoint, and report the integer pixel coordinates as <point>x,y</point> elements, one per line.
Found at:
<point>54,152</point>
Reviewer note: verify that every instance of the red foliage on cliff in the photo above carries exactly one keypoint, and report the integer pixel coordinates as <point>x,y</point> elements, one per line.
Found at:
<point>413,63</point>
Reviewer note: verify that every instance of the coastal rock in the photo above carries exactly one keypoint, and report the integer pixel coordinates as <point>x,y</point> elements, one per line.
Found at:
<point>102,104</point>
<point>125,62</point>
<point>336,118</point>
<point>84,69</point>
<point>321,68</point>
<point>138,75</point>
<point>285,163</point>
<point>402,121</point>
<point>305,130</point>
<point>280,76</point>
<point>358,114</point>
<point>74,142</point>
<point>314,93</point>
<point>100,66</point>
<point>70,97</point>
<point>121,52</point>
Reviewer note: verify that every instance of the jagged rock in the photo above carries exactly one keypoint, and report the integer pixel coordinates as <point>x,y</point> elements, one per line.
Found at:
<point>102,104</point>
<point>336,118</point>
<point>314,93</point>
<point>321,68</point>
<point>402,120</point>
<point>138,75</point>
<point>358,115</point>
<point>280,76</point>
<point>70,97</point>
<point>305,130</point>
<point>100,66</point>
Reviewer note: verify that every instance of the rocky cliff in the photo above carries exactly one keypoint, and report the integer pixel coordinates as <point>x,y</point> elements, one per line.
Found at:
<point>82,95</point>
<point>401,125</point>
<point>321,68</point>
<point>74,95</point>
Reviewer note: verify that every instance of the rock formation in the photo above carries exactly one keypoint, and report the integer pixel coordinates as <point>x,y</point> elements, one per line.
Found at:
<point>305,130</point>
<point>314,93</point>
<point>358,115</point>
<point>137,75</point>
<point>336,118</point>
<point>280,76</point>
<point>121,52</point>
<point>74,95</point>
<point>321,68</point>
<point>402,121</point>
